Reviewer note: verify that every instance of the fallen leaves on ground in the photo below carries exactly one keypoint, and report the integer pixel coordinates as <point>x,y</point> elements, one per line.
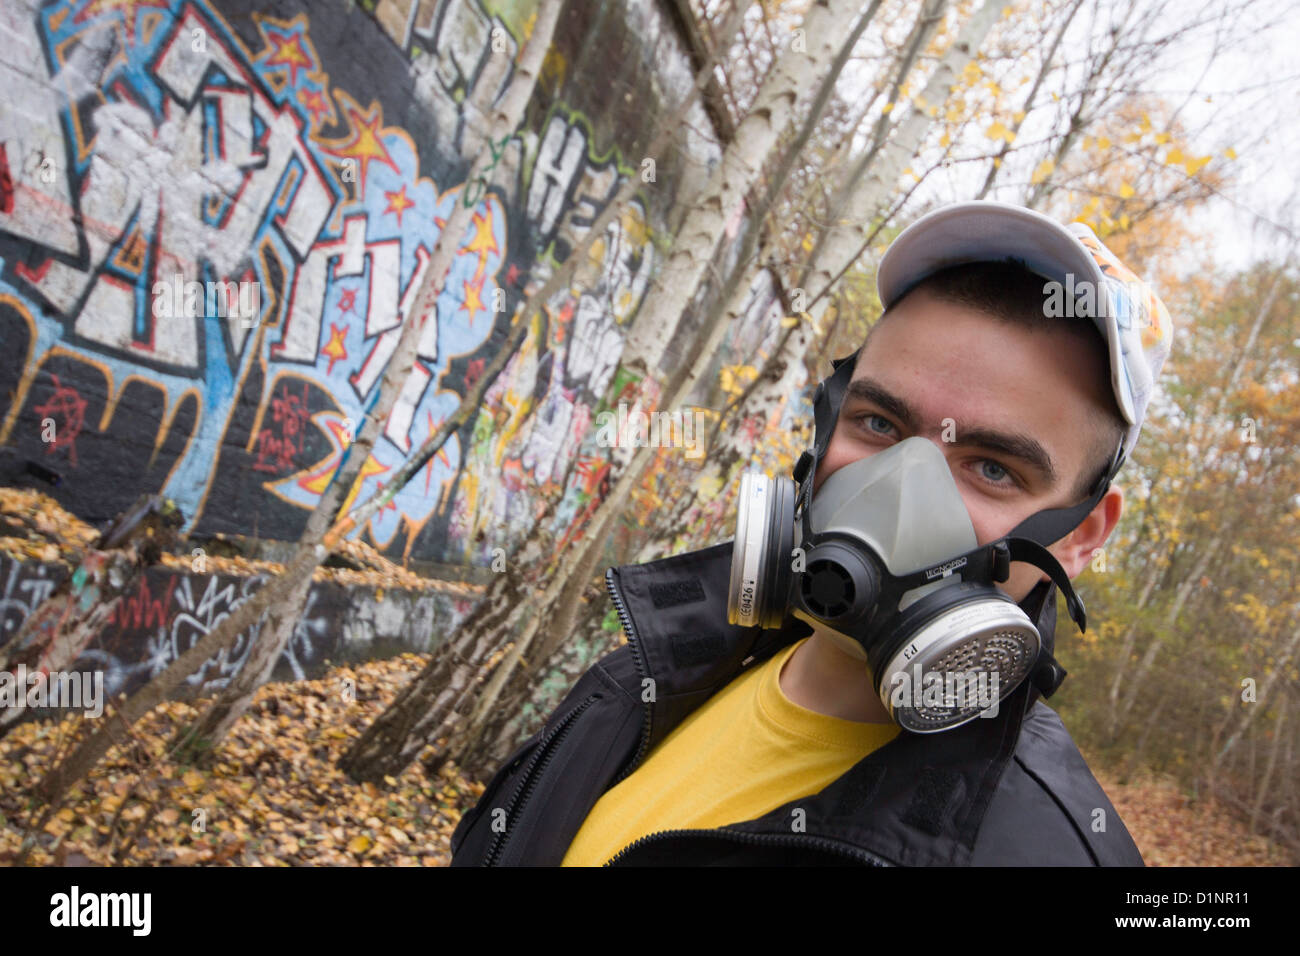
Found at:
<point>273,795</point>
<point>1173,830</point>
<point>34,527</point>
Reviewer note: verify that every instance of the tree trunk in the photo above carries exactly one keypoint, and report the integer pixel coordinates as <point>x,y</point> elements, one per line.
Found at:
<point>796,70</point>
<point>1261,794</point>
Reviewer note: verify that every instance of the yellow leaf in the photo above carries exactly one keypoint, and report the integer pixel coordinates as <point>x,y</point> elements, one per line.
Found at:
<point>999,131</point>
<point>887,108</point>
<point>1162,138</point>
<point>945,139</point>
<point>359,844</point>
<point>1146,123</point>
<point>1175,157</point>
<point>1043,170</point>
<point>1193,166</point>
<point>1019,116</point>
<point>789,321</point>
<point>1103,142</point>
<point>1230,153</point>
<point>1125,191</point>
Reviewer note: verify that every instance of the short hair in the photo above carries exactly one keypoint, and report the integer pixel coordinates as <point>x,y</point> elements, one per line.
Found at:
<point>1011,293</point>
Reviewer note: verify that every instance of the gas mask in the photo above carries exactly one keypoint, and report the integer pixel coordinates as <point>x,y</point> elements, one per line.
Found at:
<point>884,560</point>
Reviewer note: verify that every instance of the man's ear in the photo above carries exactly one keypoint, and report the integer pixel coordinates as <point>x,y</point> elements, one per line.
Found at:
<point>1076,549</point>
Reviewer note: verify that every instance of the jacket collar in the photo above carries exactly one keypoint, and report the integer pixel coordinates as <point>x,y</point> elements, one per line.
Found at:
<point>675,609</point>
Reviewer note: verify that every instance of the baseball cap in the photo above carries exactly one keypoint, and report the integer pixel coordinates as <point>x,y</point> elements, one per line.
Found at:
<point>1094,284</point>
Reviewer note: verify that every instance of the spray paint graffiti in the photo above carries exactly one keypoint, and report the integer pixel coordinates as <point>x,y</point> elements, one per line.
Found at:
<point>180,142</point>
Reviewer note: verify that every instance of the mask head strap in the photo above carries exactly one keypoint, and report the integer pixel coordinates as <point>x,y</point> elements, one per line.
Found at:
<point>826,409</point>
<point>1049,526</point>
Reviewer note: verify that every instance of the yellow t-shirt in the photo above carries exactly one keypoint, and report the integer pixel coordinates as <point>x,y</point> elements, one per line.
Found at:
<point>745,751</point>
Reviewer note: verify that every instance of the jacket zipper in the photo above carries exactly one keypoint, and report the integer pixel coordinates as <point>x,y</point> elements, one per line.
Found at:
<point>635,643</point>
<point>546,749</point>
<point>821,843</point>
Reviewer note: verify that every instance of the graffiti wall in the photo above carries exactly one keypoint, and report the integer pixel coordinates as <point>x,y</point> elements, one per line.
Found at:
<point>213,216</point>
<point>167,612</point>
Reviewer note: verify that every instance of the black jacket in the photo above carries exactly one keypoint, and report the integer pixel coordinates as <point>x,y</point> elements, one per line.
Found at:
<point>1006,790</point>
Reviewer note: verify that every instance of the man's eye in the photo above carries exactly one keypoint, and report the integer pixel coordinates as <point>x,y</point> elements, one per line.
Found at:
<point>990,470</point>
<point>877,423</point>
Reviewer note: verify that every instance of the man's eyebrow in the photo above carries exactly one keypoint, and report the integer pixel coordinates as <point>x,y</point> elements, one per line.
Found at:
<point>864,389</point>
<point>1012,444</point>
<point>1017,446</point>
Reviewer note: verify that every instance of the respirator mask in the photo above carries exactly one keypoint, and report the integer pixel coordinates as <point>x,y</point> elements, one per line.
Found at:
<point>885,561</point>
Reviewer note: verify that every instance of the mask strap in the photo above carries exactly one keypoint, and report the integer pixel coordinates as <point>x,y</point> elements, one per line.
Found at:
<point>826,410</point>
<point>1022,549</point>
<point>1047,674</point>
<point>1049,526</point>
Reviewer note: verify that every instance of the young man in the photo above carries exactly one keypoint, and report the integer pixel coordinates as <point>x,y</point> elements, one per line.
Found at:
<point>1020,354</point>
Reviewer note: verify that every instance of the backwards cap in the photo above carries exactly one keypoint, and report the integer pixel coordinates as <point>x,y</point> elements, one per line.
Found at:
<point>1094,284</point>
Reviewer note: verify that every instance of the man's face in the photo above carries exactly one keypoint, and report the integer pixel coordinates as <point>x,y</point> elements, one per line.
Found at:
<point>1021,408</point>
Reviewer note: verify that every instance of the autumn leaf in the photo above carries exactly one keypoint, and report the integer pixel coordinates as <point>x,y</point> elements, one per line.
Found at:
<point>999,131</point>
<point>359,844</point>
